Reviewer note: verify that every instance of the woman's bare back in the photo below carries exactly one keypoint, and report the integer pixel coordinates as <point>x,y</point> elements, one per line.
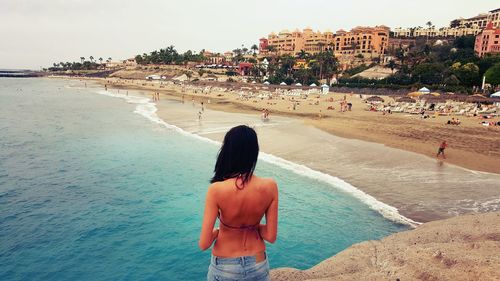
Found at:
<point>240,211</point>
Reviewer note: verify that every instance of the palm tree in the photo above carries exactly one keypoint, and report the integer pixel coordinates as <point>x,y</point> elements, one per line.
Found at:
<point>392,65</point>
<point>100,60</point>
<point>302,54</point>
<point>82,59</point>
<point>321,45</point>
<point>91,59</point>
<point>429,24</point>
<point>254,48</point>
<point>271,49</point>
<point>109,59</point>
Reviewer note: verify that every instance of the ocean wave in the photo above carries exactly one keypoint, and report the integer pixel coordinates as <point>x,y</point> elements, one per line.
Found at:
<point>146,108</point>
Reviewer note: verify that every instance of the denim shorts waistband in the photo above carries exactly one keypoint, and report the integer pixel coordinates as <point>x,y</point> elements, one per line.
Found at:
<point>244,260</point>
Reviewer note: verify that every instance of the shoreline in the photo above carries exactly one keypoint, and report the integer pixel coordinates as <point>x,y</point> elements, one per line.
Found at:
<point>410,203</point>
<point>408,134</point>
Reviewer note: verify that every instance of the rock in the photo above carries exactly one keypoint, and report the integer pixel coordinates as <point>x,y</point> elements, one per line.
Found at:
<point>460,248</point>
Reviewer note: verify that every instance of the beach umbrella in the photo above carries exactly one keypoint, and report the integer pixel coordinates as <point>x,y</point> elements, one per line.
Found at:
<point>266,83</point>
<point>495,95</point>
<point>253,82</point>
<point>477,98</point>
<point>406,99</point>
<point>424,90</point>
<point>313,85</point>
<point>415,94</point>
<point>435,94</point>
<point>298,84</point>
<point>375,99</point>
<point>426,96</point>
<point>283,84</point>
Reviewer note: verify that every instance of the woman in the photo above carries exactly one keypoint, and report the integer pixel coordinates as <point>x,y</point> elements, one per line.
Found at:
<point>239,199</point>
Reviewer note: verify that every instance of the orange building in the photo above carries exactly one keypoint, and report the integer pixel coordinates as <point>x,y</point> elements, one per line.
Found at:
<point>286,42</point>
<point>488,41</point>
<point>360,40</point>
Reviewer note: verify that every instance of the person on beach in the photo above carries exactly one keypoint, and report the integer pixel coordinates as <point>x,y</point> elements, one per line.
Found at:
<point>442,147</point>
<point>239,199</point>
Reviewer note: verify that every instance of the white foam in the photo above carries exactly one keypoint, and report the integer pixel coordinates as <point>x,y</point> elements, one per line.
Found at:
<point>148,109</point>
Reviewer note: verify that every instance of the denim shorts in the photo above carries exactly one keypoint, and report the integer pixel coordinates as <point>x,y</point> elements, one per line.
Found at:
<point>240,268</point>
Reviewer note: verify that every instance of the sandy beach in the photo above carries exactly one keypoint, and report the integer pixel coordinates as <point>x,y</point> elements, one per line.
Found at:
<point>350,146</point>
<point>471,145</point>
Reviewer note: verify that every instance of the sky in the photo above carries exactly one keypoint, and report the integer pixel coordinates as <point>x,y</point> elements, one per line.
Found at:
<point>37,33</point>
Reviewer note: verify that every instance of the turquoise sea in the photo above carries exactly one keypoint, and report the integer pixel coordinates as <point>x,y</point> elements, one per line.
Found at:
<point>90,189</point>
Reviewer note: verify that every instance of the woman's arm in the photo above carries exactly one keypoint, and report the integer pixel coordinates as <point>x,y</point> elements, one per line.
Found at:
<point>208,233</point>
<point>269,231</point>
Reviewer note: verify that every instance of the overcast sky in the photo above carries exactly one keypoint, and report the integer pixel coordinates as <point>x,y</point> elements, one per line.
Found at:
<point>36,33</point>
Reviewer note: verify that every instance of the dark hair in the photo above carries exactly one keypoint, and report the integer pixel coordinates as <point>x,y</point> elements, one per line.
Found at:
<point>238,155</point>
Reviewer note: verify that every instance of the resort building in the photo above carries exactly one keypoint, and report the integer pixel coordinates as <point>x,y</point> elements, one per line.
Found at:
<point>480,21</point>
<point>433,32</point>
<point>360,40</point>
<point>130,62</point>
<point>458,27</point>
<point>494,17</point>
<point>316,42</point>
<point>216,58</point>
<point>488,41</point>
<point>284,43</point>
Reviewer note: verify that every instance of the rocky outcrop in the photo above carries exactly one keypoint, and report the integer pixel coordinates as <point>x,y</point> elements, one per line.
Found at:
<point>460,248</point>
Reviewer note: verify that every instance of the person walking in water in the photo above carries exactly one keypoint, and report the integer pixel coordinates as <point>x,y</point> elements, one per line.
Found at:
<point>442,147</point>
<point>239,199</point>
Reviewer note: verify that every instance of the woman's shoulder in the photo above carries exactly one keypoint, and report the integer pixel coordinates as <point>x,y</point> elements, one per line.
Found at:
<point>266,182</point>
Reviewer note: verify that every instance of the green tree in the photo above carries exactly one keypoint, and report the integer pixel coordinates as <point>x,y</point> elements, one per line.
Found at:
<point>254,48</point>
<point>493,75</point>
<point>303,54</point>
<point>428,73</point>
<point>429,25</point>
<point>468,73</point>
<point>139,59</point>
<point>392,65</point>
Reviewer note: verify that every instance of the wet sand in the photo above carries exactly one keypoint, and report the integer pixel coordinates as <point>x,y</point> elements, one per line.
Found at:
<point>421,188</point>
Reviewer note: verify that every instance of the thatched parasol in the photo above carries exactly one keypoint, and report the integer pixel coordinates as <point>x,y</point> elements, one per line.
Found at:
<point>415,94</point>
<point>477,99</point>
<point>427,97</point>
<point>406,99</point>
<point>375,99</point>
